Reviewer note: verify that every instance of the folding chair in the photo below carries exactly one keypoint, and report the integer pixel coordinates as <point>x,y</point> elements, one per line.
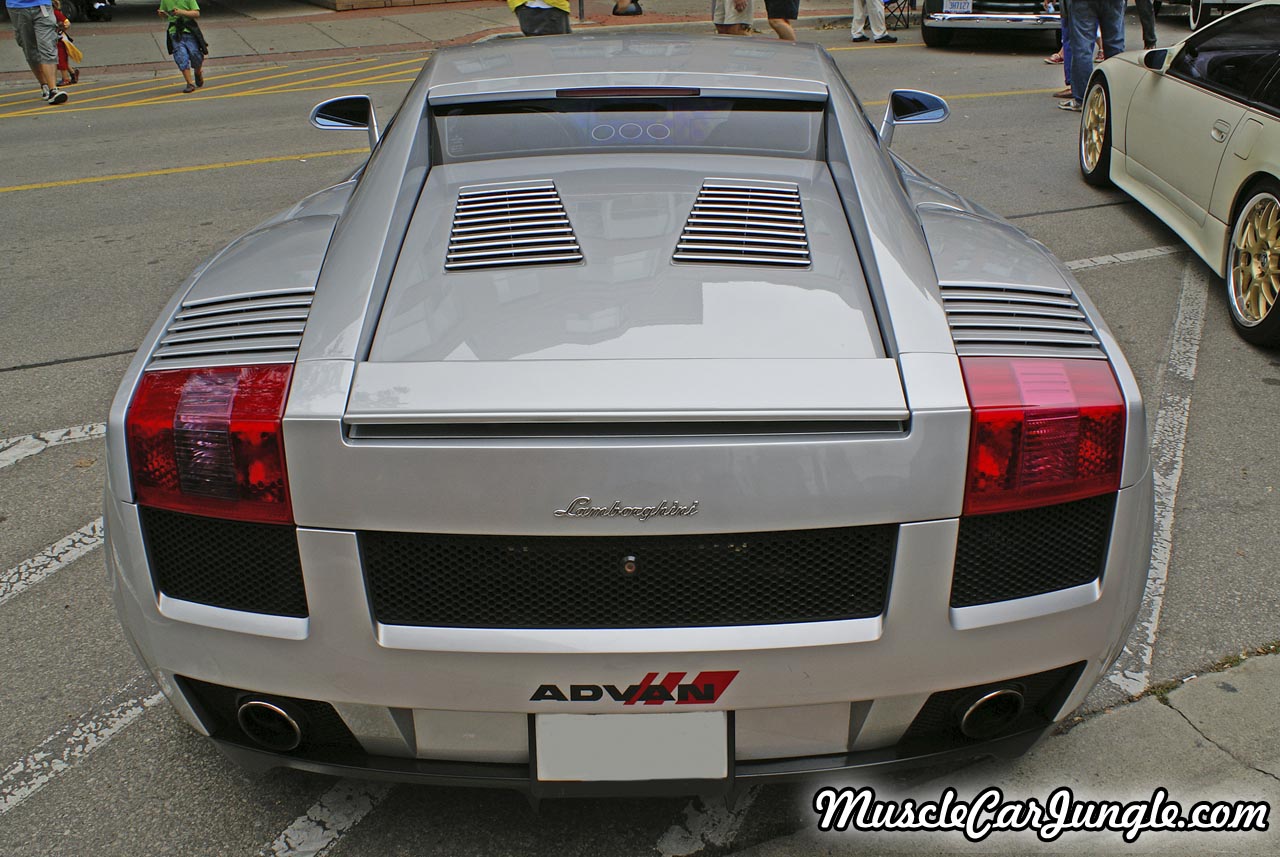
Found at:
<point>897,14</point>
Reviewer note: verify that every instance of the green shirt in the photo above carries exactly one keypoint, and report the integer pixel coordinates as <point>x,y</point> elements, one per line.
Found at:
<point>170,5</point>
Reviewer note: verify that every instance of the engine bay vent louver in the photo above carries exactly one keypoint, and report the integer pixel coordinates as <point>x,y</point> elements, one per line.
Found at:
<point>1018,321</point>
<point>741,222</point>
<point>260,329</point>
<point>521,224</point>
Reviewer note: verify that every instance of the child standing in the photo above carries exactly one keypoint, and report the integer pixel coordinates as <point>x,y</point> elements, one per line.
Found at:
<point>184,39</point>
<point>66,74</point>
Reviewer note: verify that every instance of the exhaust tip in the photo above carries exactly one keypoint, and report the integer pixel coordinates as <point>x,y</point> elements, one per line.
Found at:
<point>269,725</point>
<point>991,714</point>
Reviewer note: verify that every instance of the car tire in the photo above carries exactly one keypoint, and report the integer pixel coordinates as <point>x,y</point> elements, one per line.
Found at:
<point>1095,134</point>
<point>1253,265</point>
<point>1197,14</point>
<point>935,37</point>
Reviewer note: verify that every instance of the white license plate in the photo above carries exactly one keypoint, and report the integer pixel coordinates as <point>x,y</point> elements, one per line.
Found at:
<point>957,7</point>
<point>630,747</point>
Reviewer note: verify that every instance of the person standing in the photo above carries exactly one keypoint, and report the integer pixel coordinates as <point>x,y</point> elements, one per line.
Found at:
<point>1147,17</point>
<point>732,17</point>
<point>782,14</point>
<point>67,73</point>
<point>185,43</point>
<point>542,17</point>
<point>36,32</point>
<point>873,10</point>
<point>1086,18</point>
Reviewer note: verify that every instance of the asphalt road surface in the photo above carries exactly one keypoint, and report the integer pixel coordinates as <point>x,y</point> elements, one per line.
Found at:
<point>107,203</point>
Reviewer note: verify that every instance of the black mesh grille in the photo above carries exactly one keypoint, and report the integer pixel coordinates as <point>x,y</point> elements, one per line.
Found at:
<point>232,564</point>
<point>217,705</point>
<point>938,722</point>
<point>1016,554</point>
<point>579,582</point>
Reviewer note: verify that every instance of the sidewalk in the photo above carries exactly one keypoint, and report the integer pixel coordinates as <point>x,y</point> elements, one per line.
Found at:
<point>1213,737</point>
<point>244,31</point>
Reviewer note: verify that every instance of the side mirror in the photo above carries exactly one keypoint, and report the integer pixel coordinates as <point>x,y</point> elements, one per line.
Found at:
<point>1155,59</point>
<point>911,107</point>
<point>348,113</point>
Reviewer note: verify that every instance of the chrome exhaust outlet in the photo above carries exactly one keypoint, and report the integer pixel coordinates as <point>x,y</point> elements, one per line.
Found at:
<point>269,725</point>
<point>991,714</point>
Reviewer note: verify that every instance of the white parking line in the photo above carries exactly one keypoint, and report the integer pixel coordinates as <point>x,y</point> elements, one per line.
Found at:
<point>337,811</point>
<point>1132,672</point>
<point>72,743</point>
<point>704,825</point>
<point>14,449</point>
<point>1130,256</point>
<point>56,556</point>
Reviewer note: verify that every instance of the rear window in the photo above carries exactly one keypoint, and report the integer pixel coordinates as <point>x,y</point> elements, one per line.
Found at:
<point>746,126</point>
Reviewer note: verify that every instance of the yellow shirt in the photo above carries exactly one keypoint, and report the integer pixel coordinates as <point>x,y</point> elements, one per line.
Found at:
<point>562,5</point>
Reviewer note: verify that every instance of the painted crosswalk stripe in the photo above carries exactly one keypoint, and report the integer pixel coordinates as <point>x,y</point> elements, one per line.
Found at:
<point>14,449</point>
<point>71,744</point>
<point>706,824</point>
<point>1132,672</point>
<point>55,557</point>
<point>337,811</point>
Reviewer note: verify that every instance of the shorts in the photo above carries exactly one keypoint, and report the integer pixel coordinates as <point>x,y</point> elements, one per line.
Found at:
<point>36,32</point>
<point>186,52</point>
<point>535,21</point>
<point>786,9</point>
<point>722,12</point>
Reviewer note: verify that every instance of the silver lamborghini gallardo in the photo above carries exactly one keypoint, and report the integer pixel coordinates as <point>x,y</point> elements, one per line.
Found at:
<point>632,421</point>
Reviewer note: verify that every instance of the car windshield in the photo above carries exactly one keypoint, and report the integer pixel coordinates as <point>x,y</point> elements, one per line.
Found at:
<point>746,126</point>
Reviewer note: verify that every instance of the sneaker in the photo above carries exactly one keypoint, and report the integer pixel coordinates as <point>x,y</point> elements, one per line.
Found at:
<point>199,77</point>
<point>1063,93</point>
<point>44,92</point>
<point>57,96</point>
<point>858,37</point>
<point>1070,104</point>
<point>886,39</point>
<point>189,88</point>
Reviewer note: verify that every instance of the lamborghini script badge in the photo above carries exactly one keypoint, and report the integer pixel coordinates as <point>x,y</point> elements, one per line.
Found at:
<point>581,508</point>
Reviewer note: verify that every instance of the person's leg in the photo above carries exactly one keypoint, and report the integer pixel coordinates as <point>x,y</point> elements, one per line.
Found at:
<point>1111,21</point>
<point>45,30</point>
<point>859,19</point>
<point>182,49</point>
<point>1084,26</point>
<point>783,28</point>
<point>781,13</point>
<point>875,16</point>
<point>1147,16</point>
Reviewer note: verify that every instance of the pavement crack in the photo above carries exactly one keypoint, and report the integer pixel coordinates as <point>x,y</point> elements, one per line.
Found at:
<point>1201,733</point>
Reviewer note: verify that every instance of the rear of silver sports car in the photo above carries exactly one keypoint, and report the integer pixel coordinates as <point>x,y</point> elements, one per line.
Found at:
<point>666,497</point>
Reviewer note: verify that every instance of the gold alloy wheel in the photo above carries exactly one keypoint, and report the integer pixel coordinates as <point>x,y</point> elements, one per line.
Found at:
<point>1255,260</point>
<point>1094,136</point>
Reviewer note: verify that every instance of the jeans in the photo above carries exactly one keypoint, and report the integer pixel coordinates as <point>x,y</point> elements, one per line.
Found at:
<point>186,53</point>
<point>1147,16</point>
<point>1087,17</point>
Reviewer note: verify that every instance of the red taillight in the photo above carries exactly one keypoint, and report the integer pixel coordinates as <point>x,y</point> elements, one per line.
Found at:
<point>1044,431</point>
<point>208,442</point>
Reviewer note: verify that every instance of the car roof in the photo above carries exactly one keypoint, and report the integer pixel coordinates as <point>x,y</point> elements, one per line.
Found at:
<point>544,64</point>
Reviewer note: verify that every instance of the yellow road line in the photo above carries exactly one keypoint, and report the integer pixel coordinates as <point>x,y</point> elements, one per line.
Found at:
<point>968,95</point>
<point>169,171</point>
<point>281,87</point>
<point>878,47</point>
<point>171,96</point>
<point>166,83</point>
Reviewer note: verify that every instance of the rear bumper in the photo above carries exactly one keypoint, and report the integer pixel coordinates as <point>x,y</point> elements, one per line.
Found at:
<point>453,705</point>
<point>517,777</point>
<point>994,22</point>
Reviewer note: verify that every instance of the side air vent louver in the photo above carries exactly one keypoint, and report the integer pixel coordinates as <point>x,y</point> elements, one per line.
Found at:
<point>522,224</point>
<point>265,329</point>
<point>1018,321</point>
<point>745,223</point>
